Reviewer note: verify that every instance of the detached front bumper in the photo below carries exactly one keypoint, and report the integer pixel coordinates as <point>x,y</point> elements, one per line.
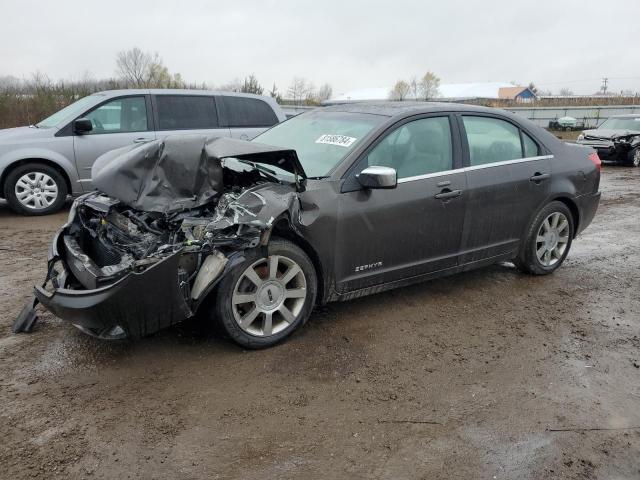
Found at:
<point>134,306</point>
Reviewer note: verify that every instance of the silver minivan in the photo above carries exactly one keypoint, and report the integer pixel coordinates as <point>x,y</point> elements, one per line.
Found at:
<point>43,163</point>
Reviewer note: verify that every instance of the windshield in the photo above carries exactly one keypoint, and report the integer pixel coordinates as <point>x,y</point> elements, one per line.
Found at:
<point>73,110</point>
<point>321,139</point>
<point>620,123</point>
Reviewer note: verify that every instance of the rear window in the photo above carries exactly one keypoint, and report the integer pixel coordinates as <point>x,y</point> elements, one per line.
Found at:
<point>182,112</point>
<point>246,112</point>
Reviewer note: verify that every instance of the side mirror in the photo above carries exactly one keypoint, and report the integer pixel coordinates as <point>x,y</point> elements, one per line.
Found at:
<point>378,177</point>
<point>82,125</point>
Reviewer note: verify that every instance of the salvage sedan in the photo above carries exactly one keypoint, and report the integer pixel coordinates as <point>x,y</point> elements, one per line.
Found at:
<point>617,139</point>
<point>330,205</point>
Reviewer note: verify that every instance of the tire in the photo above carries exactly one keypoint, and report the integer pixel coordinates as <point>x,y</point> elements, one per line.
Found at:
<point>234,317</point>
<point>633,157</point>
<point>35,189</point>
<point>540,238</point>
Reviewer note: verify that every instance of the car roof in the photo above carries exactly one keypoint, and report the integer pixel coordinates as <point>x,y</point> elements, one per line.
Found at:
<point>395,109</point>
<point>174,91</point>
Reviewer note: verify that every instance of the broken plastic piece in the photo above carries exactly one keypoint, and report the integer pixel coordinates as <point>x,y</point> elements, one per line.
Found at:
<point>27,318</point>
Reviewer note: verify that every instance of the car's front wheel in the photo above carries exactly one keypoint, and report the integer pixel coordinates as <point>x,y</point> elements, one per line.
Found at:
<point>264,299</point>
<point>547,241</point>
<point>35,189</point>
<point>633,158</point>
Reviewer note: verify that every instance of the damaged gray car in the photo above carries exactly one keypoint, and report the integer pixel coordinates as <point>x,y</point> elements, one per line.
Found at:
<point>330,205</point>
<point>617,139</point>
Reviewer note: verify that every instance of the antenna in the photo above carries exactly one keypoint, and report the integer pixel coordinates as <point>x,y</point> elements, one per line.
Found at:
<point>605,80</point>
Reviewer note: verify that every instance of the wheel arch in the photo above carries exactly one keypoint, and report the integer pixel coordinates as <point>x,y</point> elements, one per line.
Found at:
<point>282,228</point>
<point>575,212</point>
<point>49,163</point>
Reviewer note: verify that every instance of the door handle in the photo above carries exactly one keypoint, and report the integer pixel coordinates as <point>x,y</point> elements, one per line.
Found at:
<point>446,194</point>
<point>538,177</point>
<point>141,140</point>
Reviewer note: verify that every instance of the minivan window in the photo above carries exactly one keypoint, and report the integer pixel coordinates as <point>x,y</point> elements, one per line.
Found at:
<point>247,112</point>
<point>416,148</point>
<point>491,140</point>
<point>128,114</point>
<point>73,110</point>
<point>184,112</point>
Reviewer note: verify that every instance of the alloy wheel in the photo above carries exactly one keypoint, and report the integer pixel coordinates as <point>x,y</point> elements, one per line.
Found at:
<point>636,158</point>
<point>269,296</point>
<point>552,239</point>
<point>36,190</point>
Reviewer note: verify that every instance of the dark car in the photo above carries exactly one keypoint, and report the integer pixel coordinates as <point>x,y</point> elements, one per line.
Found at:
<point>617,139</point>
<point>333,204</point>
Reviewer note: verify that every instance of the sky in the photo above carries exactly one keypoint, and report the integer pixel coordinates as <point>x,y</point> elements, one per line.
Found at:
<point>349,44</point>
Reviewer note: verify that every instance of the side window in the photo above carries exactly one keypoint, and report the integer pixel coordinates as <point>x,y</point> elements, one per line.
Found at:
<point>531,148</point>
<point>247,112</point>
<point>491,140</point>
<point>184,112</point>
<point>119,116</point>
<point>416,148</point>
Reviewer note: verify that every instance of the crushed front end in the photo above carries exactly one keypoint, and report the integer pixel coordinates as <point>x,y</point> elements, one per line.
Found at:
<point>117,271</point>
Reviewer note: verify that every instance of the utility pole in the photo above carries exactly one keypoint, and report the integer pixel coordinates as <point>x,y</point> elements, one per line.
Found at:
<point>605,80</point>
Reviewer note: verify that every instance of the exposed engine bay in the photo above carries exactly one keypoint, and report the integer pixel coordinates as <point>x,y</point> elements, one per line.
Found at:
<point>616,145</point>
<point>166,221</point>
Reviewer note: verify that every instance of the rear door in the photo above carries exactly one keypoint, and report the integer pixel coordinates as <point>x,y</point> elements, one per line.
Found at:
<point>117,122</point>
<point>508,180</point>
<point>184,114</point>
<point>246,117</point>
<point>414,229</point>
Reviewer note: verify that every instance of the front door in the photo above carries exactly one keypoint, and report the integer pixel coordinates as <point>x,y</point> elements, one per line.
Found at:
<point>507,182</point>
<point>414,229</point>
<point>116,123</point>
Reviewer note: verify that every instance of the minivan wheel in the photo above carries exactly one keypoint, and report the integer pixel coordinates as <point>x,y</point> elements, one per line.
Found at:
<point>35,189</point>
<point>548,240</point>
<point>264,299</point>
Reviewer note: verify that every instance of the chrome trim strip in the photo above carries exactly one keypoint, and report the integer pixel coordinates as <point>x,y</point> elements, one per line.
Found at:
<point>507,162</point>
<point>475,167</point>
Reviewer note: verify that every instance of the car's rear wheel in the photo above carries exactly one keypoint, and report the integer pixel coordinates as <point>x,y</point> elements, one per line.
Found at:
<point>633,157</point>
<point>264,299</point>
<point>35,189</point>
<point>547,241</point>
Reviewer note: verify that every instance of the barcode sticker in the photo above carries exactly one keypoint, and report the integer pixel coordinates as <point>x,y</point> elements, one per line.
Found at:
<point>340,140</point>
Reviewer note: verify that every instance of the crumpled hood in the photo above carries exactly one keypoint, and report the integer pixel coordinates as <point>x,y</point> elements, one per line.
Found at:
<point>180,172</point>
<point>609,134</point>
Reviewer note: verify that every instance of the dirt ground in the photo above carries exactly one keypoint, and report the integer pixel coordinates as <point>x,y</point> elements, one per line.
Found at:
<point>490,374</point>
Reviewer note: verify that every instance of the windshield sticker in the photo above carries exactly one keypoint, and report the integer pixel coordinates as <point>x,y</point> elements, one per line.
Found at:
<point>340,140</point>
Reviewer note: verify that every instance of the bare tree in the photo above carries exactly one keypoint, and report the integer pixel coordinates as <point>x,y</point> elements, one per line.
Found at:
<point>565,92</point>
<point>251,85</point>
<point>325,92</point>
<point>274,93</point>
<point>415,87</point>
<point>145,70</point>
<point>133,66</point>
<point>299,90</point>
<point>400,91</point>
<point>429,86</point>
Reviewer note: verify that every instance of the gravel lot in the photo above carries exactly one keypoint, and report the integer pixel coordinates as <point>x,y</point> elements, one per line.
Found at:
<point>489,374</point>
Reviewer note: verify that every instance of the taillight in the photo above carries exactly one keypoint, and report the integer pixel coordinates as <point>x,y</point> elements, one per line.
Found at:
<point>593,156</point>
